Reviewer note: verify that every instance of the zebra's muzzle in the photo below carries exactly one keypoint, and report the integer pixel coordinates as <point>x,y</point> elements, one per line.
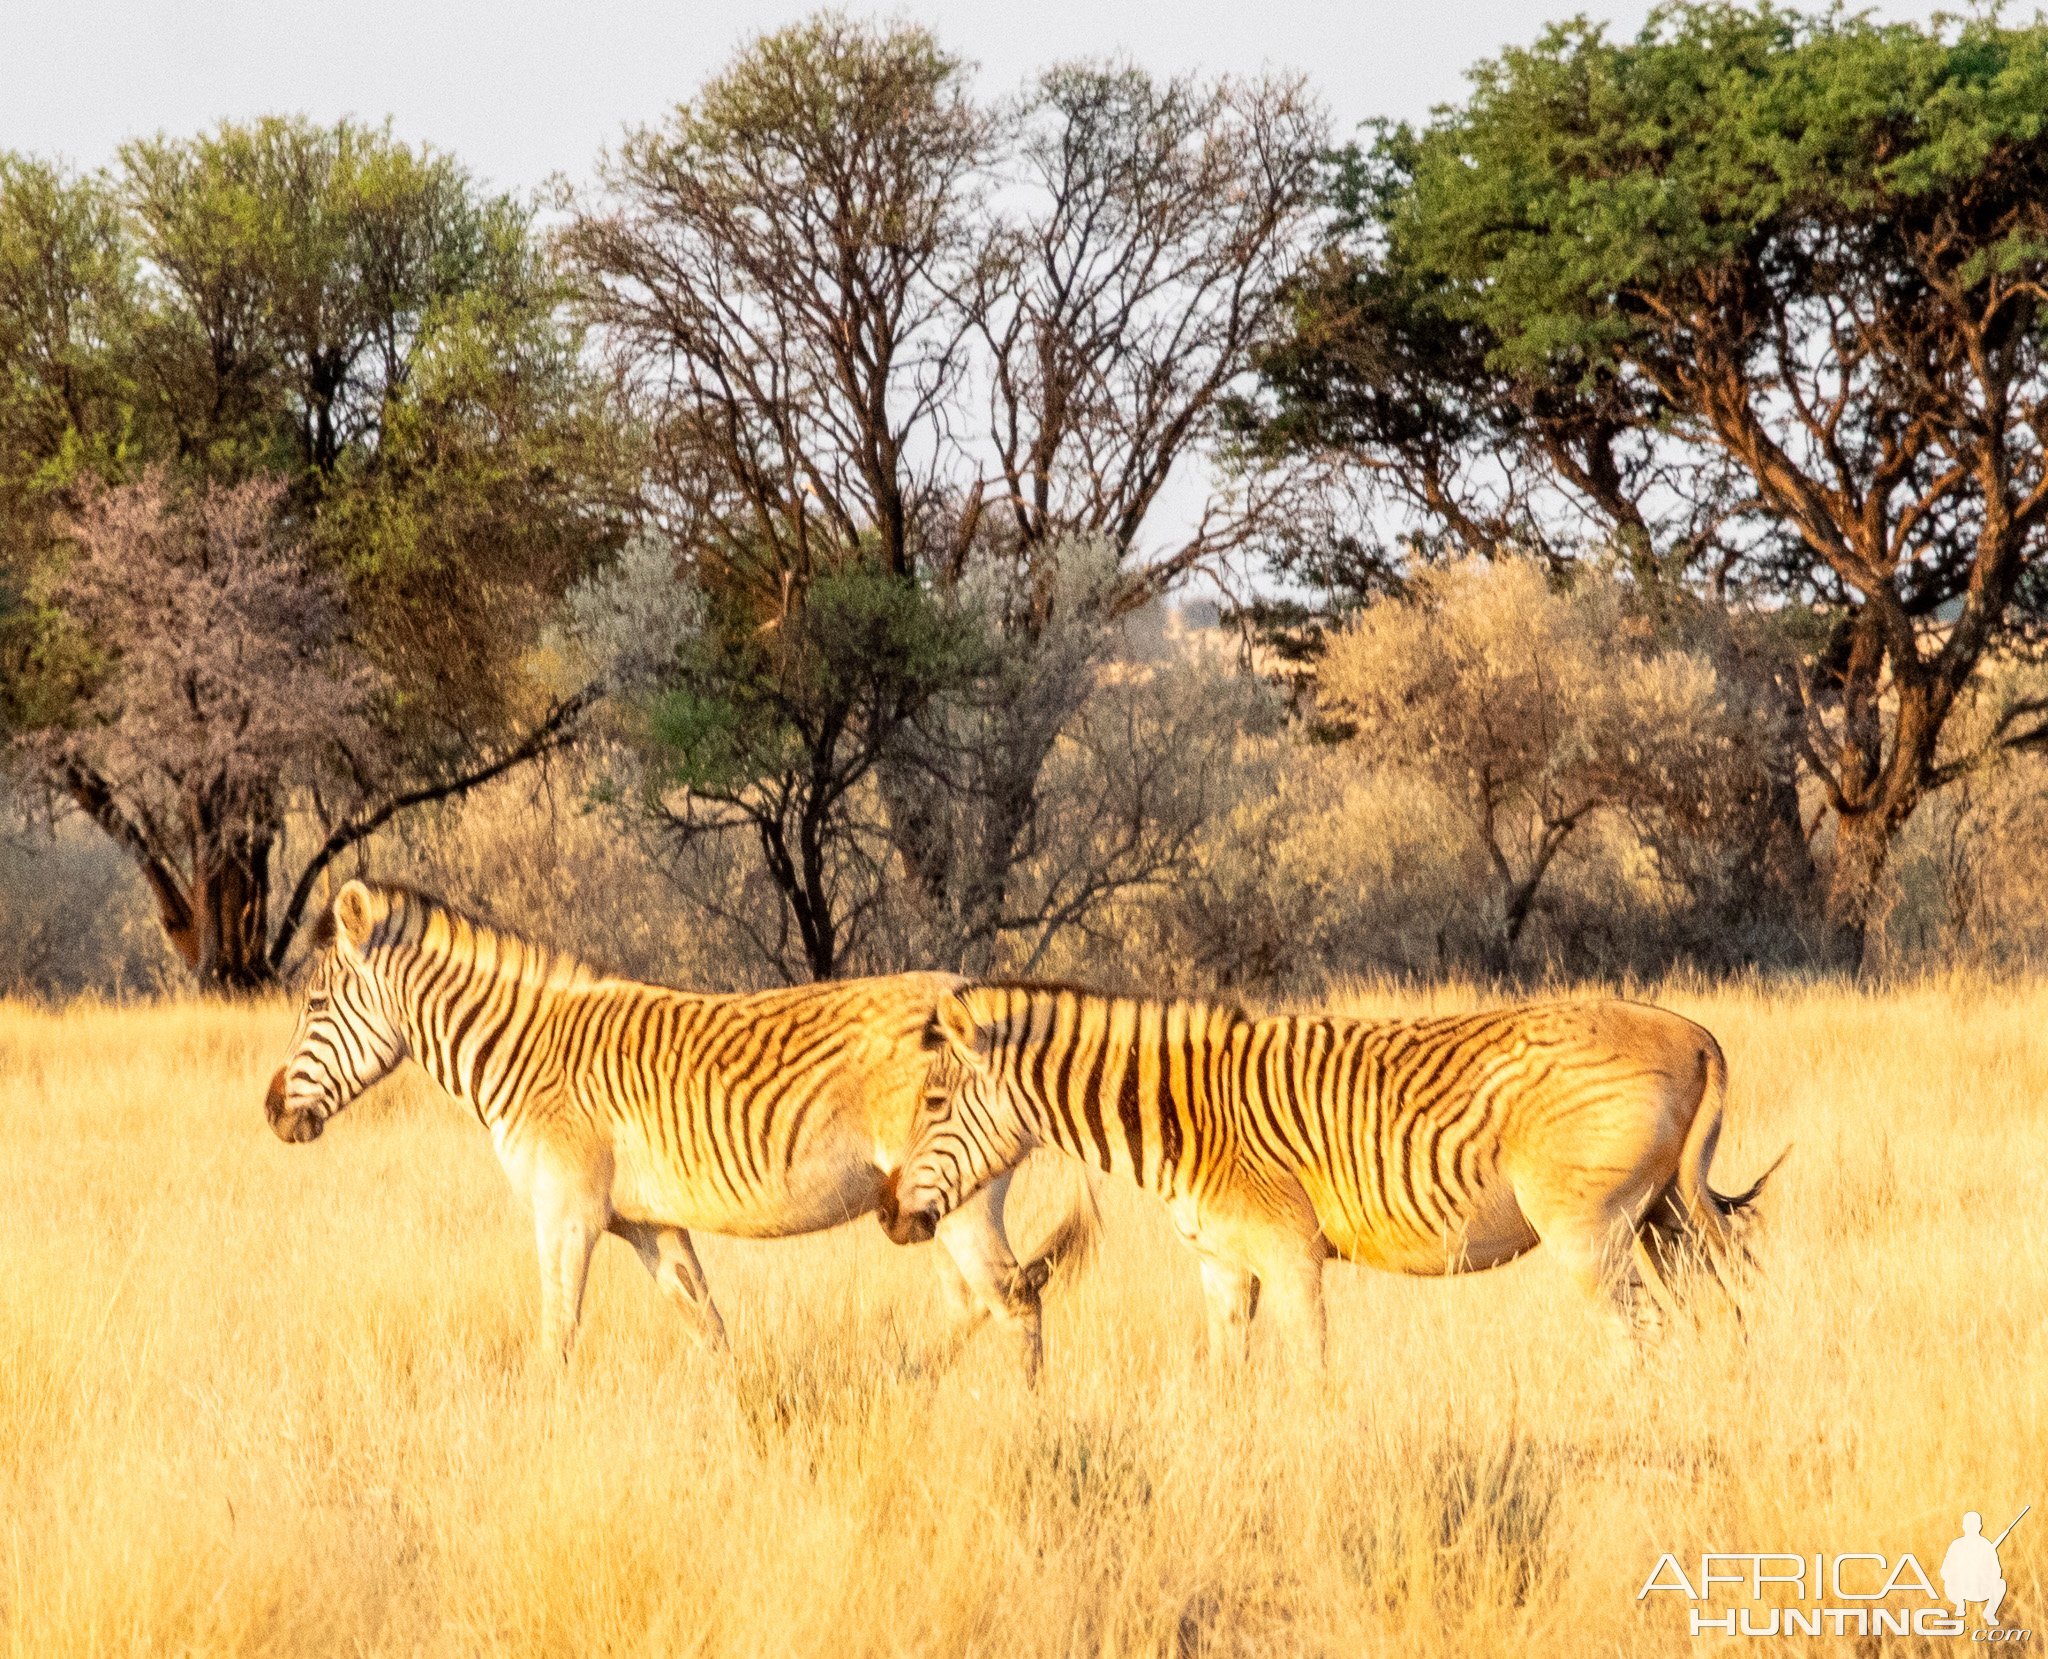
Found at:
<point>903,1226</point>
<point>912,1226</point>
<point>296,1125</point>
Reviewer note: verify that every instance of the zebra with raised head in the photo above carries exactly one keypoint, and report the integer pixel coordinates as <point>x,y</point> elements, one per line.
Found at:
<point>1422,1146</point>
<point>638,1110</point>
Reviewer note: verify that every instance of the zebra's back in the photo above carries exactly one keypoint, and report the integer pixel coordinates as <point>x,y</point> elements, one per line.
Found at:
<point>1424,1144</point>
<point>757,1114</point>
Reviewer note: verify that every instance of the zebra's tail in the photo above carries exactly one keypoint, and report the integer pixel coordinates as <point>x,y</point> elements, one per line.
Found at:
<point>1712,1221</point>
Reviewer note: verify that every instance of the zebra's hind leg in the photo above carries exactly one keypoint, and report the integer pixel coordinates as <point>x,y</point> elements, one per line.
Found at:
<point>1600,1246</point>
<point>996,1287</point>
<point>671,1261</point>
<point>1691,1256</point>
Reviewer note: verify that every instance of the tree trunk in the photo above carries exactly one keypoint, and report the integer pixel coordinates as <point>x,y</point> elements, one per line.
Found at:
<point>232,902</point>
<point>986,891</point>
<point>223,933</point>
<point>1497,955</point>
<point>1882,795</point>
<point>802,891</point>
<point>224,938</point>
<point>217,920</point>
<point>964,865</point>
<point>1862,852</point>
<point>1782,884</point>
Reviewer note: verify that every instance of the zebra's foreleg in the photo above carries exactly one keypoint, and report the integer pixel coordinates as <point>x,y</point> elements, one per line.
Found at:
<point>565,1240</point>
<point>996,1286</point>
<point>1232,1293</point>
<point>571,1208</point>
<point>671,1261</point>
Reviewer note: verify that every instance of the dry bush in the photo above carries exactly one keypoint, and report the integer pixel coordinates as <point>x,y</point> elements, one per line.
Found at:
<point>219,671</point>
<point>270,1400</point>
<point>1314,867</point>
<point>1509,777</point>
<point>1969,883</point>
<point>74,916</point>
<point>1535,713</point>
<point>543,853</point>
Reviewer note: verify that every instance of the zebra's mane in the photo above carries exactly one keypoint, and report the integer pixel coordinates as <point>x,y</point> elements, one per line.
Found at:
<point>541,963</point>
<point>1091,993</point>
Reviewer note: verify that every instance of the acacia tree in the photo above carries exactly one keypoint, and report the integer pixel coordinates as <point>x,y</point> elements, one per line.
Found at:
<point>1761,295</point>
<point>769,272</point>
<point>873,324</point>
<point>356,320</point>
<point>1149,229</point>
<point>777,733</point>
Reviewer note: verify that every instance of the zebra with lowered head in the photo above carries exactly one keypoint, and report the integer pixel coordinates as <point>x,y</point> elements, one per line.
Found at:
<point>1424,1146</point>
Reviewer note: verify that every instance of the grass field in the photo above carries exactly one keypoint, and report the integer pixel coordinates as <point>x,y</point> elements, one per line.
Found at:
<point>260,1399</point>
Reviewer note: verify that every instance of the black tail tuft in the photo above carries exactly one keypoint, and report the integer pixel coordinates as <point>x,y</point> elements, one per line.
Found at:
<point>1734,1203</point>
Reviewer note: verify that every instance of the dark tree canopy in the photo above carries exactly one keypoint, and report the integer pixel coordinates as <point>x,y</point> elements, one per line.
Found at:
<point>778,731</point>
<point>1756,298</point>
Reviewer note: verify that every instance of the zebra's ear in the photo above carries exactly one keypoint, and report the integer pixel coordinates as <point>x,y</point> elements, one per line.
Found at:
<point>953,1026</point>
<point>352,918</point>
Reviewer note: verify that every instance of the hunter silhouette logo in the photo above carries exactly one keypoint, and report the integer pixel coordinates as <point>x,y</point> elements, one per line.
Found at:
<point>1969,1572</point>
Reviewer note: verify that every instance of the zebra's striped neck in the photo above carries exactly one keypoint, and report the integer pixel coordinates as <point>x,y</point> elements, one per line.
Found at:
<point>464,993</point>
<point>1123,1083</point>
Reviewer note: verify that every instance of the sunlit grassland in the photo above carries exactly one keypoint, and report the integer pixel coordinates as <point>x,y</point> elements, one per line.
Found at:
<point>284,1400</point>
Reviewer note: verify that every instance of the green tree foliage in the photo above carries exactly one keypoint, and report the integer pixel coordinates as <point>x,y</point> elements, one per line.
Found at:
<point>1756,298</point>
<point>66,278</point>
<point>778,729</point>
<point>360,316</point>
<point>358,320</point>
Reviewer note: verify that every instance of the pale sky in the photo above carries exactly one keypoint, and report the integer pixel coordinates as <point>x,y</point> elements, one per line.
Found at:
<point>521,89</point>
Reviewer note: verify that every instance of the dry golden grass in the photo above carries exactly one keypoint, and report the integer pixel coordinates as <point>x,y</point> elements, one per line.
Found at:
<point>259,1399</point>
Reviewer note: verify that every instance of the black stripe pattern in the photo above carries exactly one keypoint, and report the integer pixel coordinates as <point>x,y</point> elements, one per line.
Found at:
<point>1395,1130</point>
